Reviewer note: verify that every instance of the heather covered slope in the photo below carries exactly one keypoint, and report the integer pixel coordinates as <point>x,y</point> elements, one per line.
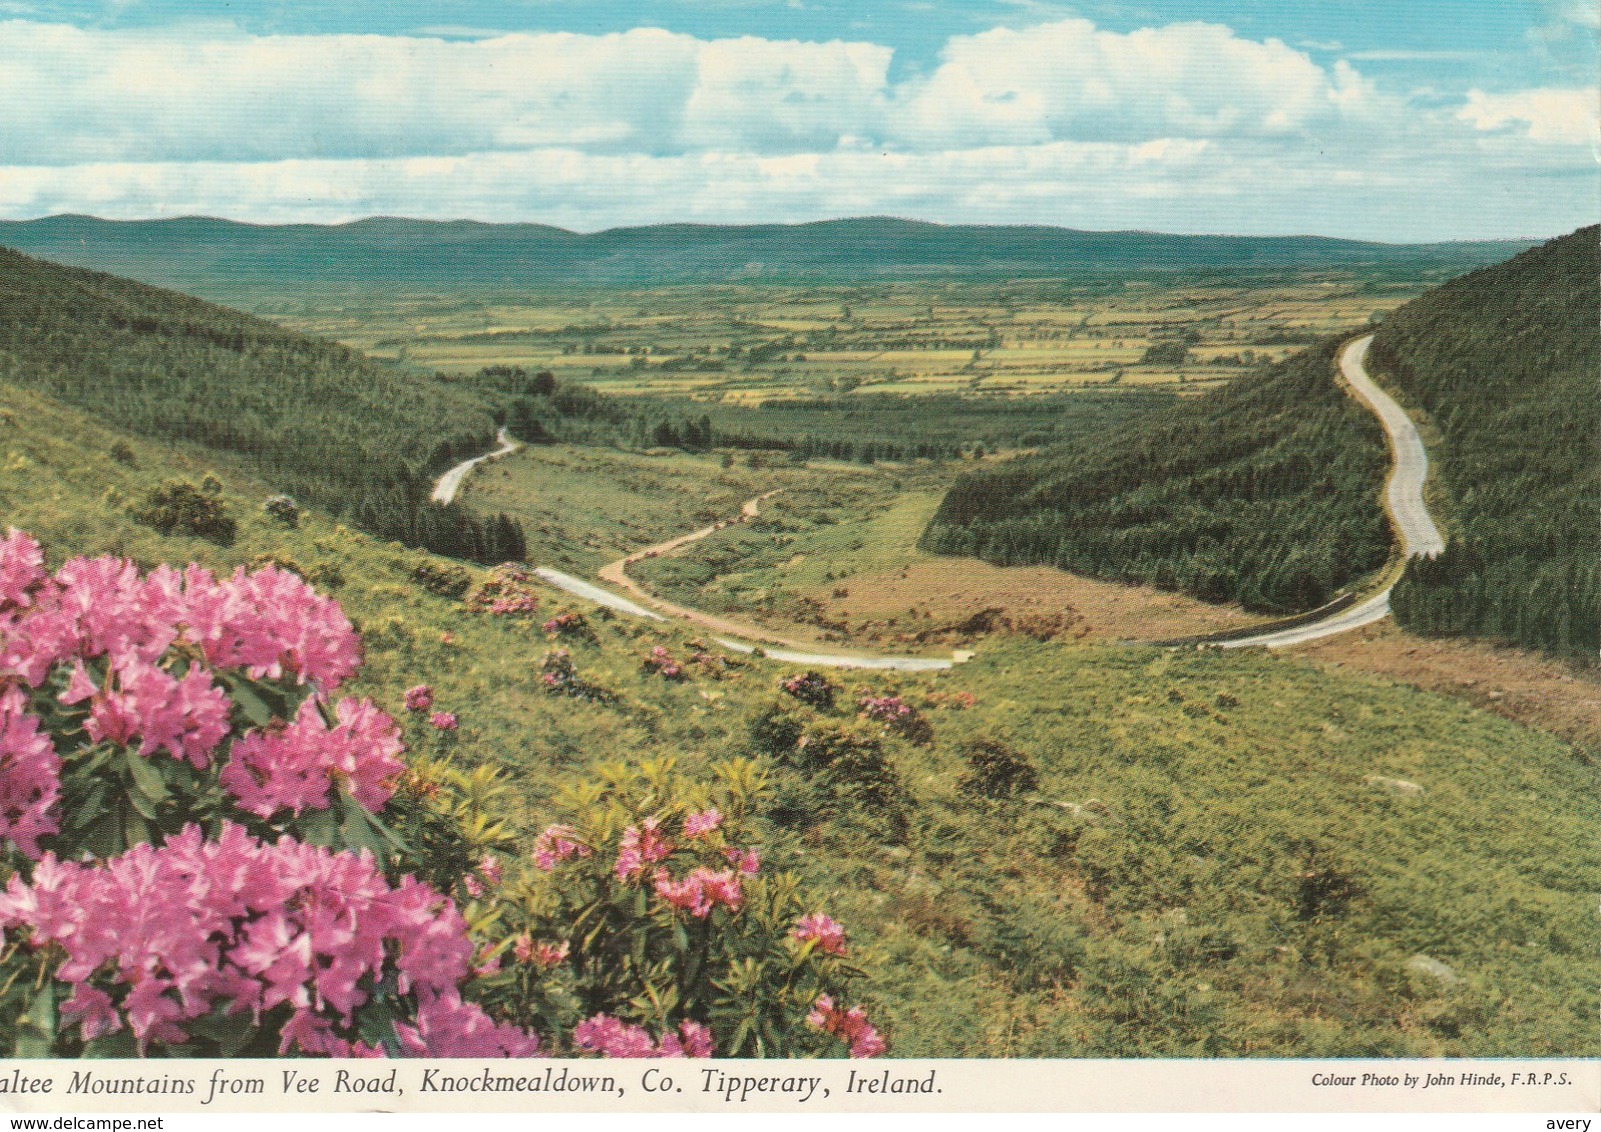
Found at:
<point>1505,362</point>
<point>312,418</point>
<point>1264,492</point>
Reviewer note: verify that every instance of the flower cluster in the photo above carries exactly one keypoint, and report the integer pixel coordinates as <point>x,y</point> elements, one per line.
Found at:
<point>296,767</point>
<point>266,622</point>
<point>540,954</point>
<point>419,698</point>
<point>185,716</point>
<point>508,591</point>
<point>158,937</point>
<point>443,721</point>
<point>30,775</point>
<point>826,935</point>
<point>849,1026</point>
<point>642,844</point>
<point>611,1037</point>
<point>700,891</point>
<point>812,688</point>
<point>896,715</point>
<point>555,845</point>
<point>661,662</point>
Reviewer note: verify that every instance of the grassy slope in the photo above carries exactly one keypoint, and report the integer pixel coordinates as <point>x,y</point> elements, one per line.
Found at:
<point>1504,361</point>
<point>1163,916</point>
<point>1262,492</point>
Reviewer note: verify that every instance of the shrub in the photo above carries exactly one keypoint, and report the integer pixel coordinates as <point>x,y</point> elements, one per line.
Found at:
<point>896,715</point>
<point>810,688</point>
<point>995,770</point>
<point>443,581</point>
<point>210,484</point>
<point>507,591</point>
<point>570,625</point>
<point>661,662</point>
<point>178,507</point>
<point>647,912</point>
<point>560,677</point>
<point>122,454</point>
<point>284,509</point>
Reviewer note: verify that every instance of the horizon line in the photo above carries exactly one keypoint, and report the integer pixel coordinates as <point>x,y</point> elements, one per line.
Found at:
<point>910,220</point>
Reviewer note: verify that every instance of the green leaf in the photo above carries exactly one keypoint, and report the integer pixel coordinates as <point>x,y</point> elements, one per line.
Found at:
<point>251,702</point>
<point>36,1027</point>
<point>145,776</point>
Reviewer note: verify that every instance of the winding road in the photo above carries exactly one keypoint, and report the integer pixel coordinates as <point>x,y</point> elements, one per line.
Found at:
<point>450,483</point>
<point>1403,500</point>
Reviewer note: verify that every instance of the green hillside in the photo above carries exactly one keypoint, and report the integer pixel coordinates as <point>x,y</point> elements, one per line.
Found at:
<point>1505,361</point>
<point>1261,493</point>
<point>312,418</point>
<point>1105,852</point>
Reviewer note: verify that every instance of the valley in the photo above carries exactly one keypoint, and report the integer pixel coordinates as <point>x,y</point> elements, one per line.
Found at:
<point>1293,852</point>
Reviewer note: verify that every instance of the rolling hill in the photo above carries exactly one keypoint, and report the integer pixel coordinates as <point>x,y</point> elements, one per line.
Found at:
<point>210,256</point>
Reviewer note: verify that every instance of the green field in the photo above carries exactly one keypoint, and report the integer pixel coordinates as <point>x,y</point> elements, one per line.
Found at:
<point>739,345</point>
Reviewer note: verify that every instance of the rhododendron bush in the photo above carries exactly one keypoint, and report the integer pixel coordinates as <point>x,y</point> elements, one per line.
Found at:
<point>649,906</point>
<point>207,852</point>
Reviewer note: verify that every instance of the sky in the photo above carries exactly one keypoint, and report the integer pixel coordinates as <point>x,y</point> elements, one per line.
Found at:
<point>1409,120</point>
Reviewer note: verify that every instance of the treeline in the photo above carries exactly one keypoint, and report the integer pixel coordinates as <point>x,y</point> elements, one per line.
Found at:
<point>312,418</point>
<point>536,408</point>
<point>1505,361</point>
<point>1263,493</point>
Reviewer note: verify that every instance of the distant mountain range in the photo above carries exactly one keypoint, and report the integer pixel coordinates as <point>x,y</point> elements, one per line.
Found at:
<point>206,255</point>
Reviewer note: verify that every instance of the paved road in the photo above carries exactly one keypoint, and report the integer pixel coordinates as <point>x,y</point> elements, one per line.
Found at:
<point>450,483</point>
<point>1403,499</point>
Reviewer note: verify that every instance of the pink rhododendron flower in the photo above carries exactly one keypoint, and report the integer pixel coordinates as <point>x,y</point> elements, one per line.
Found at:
<point>849,1026</point>
<point>611,1037</point>
<point>269,622</point>
<point>489,868</point>
<point>700,891</point>
<point>692,1040</point>
<point>702,823</point>
<point>541,954</point>
<point>30,776</point>
<point>420,698</point>
<point>195,924</point>
<point>747,861</point>
<point>21,569</point>
<point>296,767</point>
<point>827,935</point>
<point>642,845</point>
<point>443,720</point>
<point>556,844</point>
<point>448,1027</point>
<point>188,715</point>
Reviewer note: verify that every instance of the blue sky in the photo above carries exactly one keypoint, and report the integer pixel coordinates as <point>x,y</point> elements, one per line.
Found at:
<point>1414,120</point>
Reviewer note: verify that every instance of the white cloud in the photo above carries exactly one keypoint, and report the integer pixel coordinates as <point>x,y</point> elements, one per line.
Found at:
<point>1071,80</point>
<point>1188,127</point>
<point>1557,116</point>
<point>87,95</point>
